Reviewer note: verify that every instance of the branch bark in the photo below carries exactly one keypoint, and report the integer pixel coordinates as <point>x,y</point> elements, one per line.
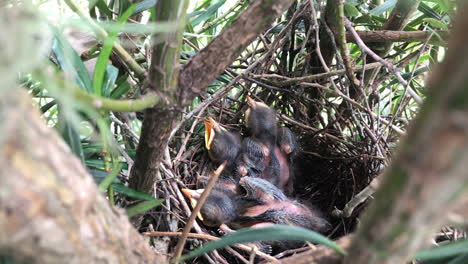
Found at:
<point>390,36</point>
<point>429,173</point>
<point>206,65</point>
<point>51,210</point>
<point>160,120</point>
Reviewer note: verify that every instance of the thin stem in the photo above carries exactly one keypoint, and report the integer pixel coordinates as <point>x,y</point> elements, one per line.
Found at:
<point>180,245</point>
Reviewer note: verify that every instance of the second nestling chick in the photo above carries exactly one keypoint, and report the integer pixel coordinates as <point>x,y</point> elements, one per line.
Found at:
<point>264,204</point>
<point>222,145</point>
<point>220,206</point>
<point>258,157</point>
<point>286,151</point>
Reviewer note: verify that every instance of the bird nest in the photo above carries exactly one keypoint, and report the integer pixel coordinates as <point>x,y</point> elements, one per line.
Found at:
<point>343,144</point>
<point>334,164</point>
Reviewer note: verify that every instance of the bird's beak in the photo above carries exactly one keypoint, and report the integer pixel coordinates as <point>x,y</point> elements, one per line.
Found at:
<point>193,196</point>
<point>210,125</point>
<point>251,102</point>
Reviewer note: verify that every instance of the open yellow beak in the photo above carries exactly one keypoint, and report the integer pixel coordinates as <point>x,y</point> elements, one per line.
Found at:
<point>193,196</point>
<point>210,124</point>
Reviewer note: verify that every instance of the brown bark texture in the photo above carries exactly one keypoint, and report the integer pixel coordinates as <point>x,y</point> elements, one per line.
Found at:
<point>160,119</point>
<point>210,62</point>
<point>428,175</point>
<point>51,210</point>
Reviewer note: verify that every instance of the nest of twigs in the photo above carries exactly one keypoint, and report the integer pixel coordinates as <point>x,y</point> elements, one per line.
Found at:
<point>343,147</point>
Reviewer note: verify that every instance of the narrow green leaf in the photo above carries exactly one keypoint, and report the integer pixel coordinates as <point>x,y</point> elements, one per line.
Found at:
<point>70,62</point>
<point>276,232</point>
<point>109,80</point>
<point>101,63</point>
<point>143,207</point>
<point>122,89</point>
<point>71,136</point>
<point>435,23</point>
<point>143,6</point>
<point>103,8</point>
<point>451,249</point>
<point>110,178</point>
<point>132,193</point>
<point>389,4</point>
<point>211,10</point>
<point>429,11</point>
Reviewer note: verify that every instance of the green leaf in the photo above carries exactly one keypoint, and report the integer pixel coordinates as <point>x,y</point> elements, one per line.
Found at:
<point>208,13</point>
<point>103,8</point>
<point>143,6</point>
<point>110,177</point>
<point>448,250</point>
<point>435,23</point>
<point>71,136</point>
<point>101,63</point>
<point>276,232</point>
<point>70,62</point>
<point>429,11</point>
<point>109,80</point>
<point>351,10</point>
<point>389,4</point>
<point>143,207</point>
<point>122,89</point>
<point>132,193</point>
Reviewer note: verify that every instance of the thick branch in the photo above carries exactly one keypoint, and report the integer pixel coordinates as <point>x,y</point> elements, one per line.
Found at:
<point>390,36</point>
<point>397,20</point>
<point>206,65</point>
<point>160,120</point>
<point>51,210</point>
<point>429,173</point>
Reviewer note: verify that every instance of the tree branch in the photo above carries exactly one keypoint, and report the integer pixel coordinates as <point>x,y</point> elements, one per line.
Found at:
<point>389,36</point>
<point>51,210</point>
<point>203,68</point>
<point>160,120</point>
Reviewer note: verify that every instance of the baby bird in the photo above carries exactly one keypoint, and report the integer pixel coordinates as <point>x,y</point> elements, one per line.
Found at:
<point>220,206</point>
<point>222,145</point>
<point>258,157</point>
<point>265,204</point>
<point>286,150</point>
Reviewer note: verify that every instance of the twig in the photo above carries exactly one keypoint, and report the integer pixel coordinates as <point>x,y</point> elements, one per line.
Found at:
<point>343,46</point>
<point>180,245</point>
<point>385,63</point>
<point>357,200</point>
<point>288,81</point>
<point>210,237</point>
<point>339,93</point>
